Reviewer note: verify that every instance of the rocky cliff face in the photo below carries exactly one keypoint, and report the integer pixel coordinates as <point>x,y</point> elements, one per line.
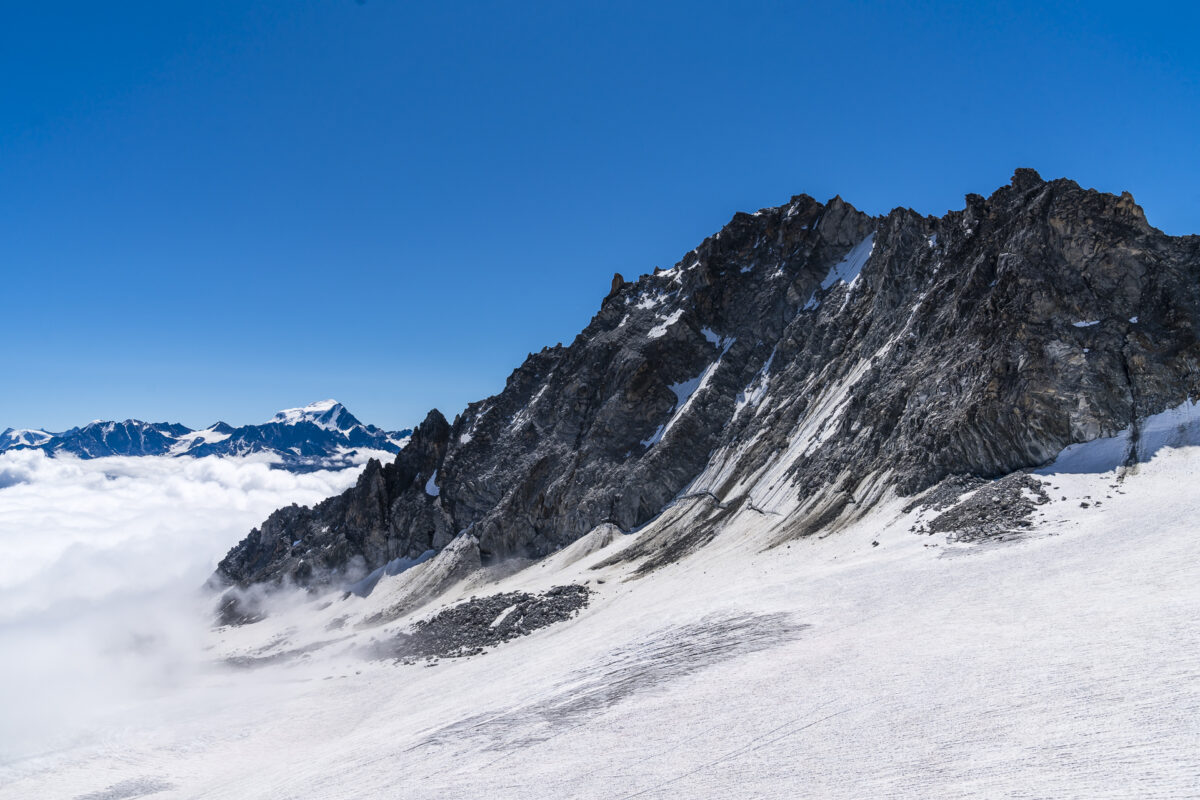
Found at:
<point>801,363</point>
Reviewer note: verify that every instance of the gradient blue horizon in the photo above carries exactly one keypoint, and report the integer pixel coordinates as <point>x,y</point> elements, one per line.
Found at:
<point>216,210</point>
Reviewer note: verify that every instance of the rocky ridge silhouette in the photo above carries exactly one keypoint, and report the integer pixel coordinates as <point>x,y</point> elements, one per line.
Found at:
<point>802,364</point>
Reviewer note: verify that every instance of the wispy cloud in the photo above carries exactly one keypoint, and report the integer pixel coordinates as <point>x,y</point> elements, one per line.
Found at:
<point>99,576</point>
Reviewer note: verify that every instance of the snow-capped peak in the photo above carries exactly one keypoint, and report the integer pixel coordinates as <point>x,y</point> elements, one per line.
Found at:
<point>328,414</point>
<point>26,437</point>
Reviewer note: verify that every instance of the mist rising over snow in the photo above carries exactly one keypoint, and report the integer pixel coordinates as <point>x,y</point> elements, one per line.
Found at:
<point>99,601</point>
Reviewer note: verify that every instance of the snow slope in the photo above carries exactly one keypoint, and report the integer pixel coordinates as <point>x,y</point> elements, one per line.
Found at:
<point>872,662</point>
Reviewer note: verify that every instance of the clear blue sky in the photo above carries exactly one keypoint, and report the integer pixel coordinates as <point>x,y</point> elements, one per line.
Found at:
<point>217,209</point>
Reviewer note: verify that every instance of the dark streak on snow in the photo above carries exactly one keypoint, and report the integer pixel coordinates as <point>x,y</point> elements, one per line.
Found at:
<point>127,790</point>
<point>642,666</point>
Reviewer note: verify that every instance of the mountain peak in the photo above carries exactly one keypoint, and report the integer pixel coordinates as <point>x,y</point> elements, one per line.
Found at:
<point>328,414</point>
<point>800,363</point>
<point>1025,178</point>
<point>319,407</point>
<point>23,437</point>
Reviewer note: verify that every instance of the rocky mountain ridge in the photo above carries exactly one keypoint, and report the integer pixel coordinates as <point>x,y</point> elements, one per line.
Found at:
<point>801,364</point>
<point>318,436</point>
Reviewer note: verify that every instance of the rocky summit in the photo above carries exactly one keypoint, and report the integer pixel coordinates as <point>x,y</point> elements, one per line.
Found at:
<point>800,365</point>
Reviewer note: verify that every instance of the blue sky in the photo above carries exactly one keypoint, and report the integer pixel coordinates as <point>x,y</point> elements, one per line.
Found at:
<point>215,210</point>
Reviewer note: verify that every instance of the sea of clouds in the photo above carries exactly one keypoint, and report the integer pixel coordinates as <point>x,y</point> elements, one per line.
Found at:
<point>101,566</point>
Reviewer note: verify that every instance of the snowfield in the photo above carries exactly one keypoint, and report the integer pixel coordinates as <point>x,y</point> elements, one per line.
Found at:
<point>869,662</point>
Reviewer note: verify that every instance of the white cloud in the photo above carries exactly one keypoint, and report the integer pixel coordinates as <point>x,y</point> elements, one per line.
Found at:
<point>99,576</point>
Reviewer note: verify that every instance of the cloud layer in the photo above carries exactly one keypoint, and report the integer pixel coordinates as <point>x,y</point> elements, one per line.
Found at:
<point>100,565</point>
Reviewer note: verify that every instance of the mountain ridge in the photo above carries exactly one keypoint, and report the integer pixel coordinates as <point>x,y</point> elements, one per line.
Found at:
<point>317,436</point>
<point>802,363</point>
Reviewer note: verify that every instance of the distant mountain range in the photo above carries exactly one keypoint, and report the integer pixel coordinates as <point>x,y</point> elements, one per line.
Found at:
<point>318,436</point>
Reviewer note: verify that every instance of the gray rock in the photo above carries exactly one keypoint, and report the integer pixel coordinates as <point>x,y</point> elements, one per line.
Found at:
<point>468,628</point>
<point>764,371</point>
<point>995,510</point>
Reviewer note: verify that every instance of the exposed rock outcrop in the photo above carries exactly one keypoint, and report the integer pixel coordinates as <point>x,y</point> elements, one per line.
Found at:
<point>800,363</point>
<point>470,627</point>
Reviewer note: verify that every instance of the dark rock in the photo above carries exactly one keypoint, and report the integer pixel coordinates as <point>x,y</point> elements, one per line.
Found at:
<point>798,364</point>
<point>234,609</point>
<point>470,627</point>
<point>995,510</point>
<point>946,493</point>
